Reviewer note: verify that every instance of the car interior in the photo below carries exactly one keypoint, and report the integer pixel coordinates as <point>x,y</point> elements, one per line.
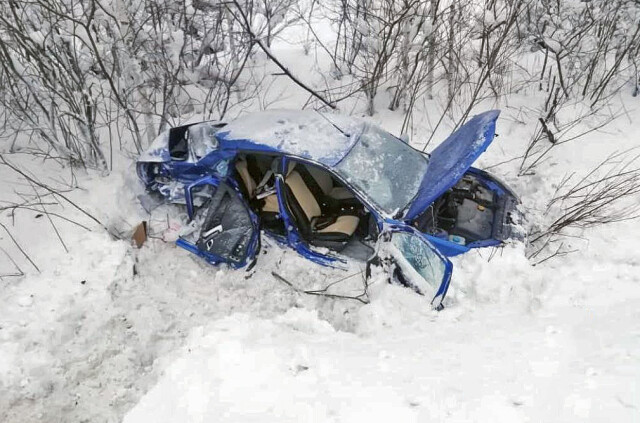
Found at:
<point>326,212</point>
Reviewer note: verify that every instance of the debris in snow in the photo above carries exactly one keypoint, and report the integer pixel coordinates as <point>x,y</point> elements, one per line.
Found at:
<point>140,234</point>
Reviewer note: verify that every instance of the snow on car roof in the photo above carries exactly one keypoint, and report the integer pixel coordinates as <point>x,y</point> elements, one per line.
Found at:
<point>305,133</point>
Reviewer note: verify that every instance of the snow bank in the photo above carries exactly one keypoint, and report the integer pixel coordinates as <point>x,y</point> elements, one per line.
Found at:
<point>461,365</point>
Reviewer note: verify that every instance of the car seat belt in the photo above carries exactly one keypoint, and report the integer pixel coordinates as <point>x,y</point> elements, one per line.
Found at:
<point>260,194</point>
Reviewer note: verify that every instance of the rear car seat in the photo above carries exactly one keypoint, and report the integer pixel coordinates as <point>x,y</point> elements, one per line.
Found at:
<point>271,202</point>
<point>268,208</point>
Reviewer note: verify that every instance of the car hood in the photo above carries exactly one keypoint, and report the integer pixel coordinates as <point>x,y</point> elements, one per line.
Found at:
<point>451,159</point>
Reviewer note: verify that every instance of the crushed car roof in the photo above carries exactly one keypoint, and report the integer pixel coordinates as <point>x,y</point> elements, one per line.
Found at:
<point>323,137</point>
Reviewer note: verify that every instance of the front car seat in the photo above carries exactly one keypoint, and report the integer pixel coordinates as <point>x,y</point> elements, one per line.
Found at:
<point>324,231</point>
<point>325,182</point>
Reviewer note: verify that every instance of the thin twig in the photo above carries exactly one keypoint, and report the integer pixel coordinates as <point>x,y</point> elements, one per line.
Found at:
<point>53,225</point>
<point>14,263</point>
<point>18,206</point>
<point>19,247</point>
<point>322,293</point>
<point>267,51</point>
<point>54,192</point>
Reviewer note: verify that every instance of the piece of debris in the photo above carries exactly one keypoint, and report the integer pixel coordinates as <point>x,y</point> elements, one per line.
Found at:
<point>140,234</point>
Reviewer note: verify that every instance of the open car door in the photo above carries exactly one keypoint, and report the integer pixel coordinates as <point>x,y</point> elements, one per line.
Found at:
<point>222,228</point>
<point>410,260</point>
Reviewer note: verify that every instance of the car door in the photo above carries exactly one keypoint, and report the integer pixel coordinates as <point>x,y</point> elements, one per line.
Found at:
<point>409,259</point>
<point>222,227</point>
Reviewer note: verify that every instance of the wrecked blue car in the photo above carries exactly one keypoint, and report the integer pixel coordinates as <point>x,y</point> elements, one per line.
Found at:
<point>333,188</point>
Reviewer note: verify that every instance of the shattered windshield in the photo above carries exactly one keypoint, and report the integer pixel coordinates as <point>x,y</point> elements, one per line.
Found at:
<point>385,169</point>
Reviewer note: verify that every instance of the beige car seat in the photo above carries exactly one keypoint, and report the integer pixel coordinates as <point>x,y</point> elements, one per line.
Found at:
<point>325,182</point>
<point>346,224</point>
<point>243,170</point>
<point>270,202</point>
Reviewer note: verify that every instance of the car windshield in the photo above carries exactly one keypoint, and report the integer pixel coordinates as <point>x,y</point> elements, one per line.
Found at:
<point>385,169</point>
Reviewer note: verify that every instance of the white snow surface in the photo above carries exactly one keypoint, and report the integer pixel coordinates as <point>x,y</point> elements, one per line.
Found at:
<point>525,346</point>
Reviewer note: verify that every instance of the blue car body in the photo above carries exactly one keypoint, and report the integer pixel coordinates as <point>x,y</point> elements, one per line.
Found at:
<point>190,157</point>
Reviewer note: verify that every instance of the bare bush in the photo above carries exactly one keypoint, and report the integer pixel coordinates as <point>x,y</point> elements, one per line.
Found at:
<point>586,45</point>
<point>44,55</point>
<point>561,124</point>
<point>605,195</point>
<point>78,71</point>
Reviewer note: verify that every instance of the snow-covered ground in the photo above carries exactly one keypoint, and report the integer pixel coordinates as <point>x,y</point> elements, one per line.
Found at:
<point>556,343</point>
<point>107,332</point>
